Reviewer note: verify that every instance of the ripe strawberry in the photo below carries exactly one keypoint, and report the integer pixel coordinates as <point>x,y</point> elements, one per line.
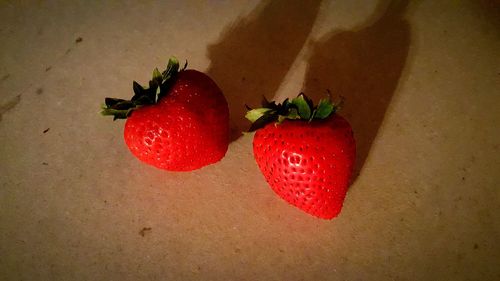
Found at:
<point>179,123</point>
<point>305,153</point>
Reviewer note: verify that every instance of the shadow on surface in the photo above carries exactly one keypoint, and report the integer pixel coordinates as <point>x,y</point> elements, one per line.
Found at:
<point>364,66</point>
<point>253,55</point>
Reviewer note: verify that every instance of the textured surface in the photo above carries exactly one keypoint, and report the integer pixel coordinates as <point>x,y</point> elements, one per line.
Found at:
<point>421,84</point>
<point>308,164</point>
<point>186,130</point>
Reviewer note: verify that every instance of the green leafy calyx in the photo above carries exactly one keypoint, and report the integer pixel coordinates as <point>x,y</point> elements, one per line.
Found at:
<point>159,86</point>
<point>299,108</point>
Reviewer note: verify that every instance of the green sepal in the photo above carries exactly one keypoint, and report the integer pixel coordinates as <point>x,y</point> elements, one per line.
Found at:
<point>303,106</point>
<point>138,90</point>
<point>112,101</point>
<point>157,75</point>
<point>324,109</point>
<point>264,120</point>
<point>293,114</point>
<point>159,86</point>
<point>117,113</point>
<point>299,108</point>
<point>266,104</point>
<point>172,68</point>
<point>255,114</point>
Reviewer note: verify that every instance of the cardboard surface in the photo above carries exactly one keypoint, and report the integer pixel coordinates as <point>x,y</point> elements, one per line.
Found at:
<point>421,82</point>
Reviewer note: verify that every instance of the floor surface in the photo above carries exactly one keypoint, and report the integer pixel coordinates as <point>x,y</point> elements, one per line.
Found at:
<point>422,86</point>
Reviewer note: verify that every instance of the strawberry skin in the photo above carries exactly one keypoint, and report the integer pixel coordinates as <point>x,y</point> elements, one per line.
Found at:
<point>179,123</point>
<point>308,164</point>
<point>185,130</point>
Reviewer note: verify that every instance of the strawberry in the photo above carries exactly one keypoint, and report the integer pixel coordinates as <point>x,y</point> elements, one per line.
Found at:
<point>305,153</point>
<point>179,123</point>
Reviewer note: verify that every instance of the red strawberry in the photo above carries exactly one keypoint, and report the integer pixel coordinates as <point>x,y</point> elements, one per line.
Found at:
<point>307,156</point>
<point>179,123</point>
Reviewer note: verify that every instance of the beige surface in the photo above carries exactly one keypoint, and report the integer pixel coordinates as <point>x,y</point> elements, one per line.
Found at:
<point>422,89</point>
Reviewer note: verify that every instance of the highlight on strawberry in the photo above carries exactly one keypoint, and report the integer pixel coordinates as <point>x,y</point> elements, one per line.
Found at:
<point>305,152</point>
<point>179,123</point>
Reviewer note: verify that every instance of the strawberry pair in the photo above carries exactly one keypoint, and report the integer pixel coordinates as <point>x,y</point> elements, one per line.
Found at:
<point>181,123</point>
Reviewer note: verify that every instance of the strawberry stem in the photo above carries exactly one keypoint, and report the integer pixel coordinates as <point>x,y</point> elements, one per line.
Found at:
<point>158,87</point>
<point>299,108</point>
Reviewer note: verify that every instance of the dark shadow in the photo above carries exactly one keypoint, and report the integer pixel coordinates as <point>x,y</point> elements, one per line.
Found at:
<point>253,55</point>
<point>364,66</point>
